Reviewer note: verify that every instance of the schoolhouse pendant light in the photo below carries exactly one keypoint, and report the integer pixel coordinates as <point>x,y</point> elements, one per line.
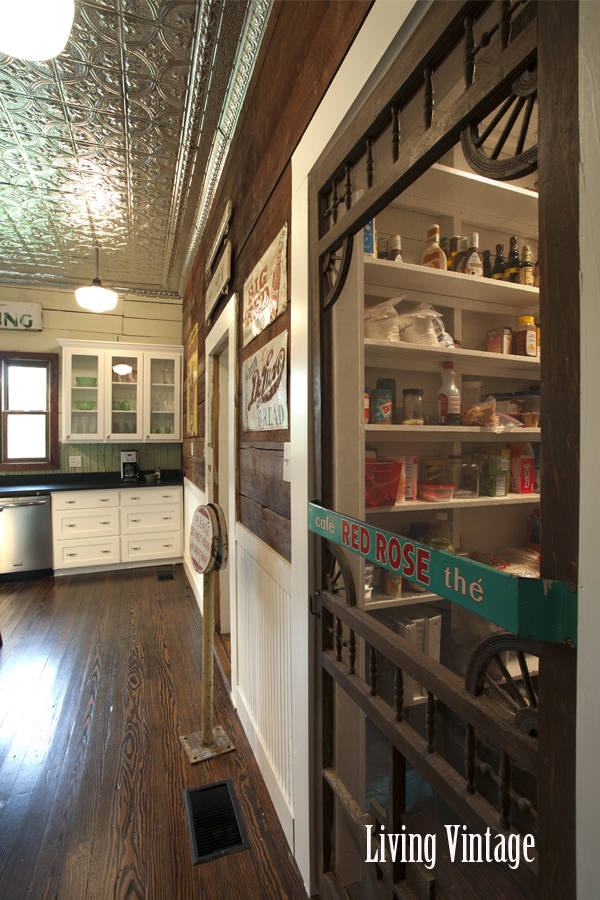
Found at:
<point>41,32</point>
<point>96,298</point>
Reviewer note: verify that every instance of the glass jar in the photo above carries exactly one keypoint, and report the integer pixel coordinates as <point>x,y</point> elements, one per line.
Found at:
<point>452,470</point>
<point>468,484</point>
<point>412,406</point>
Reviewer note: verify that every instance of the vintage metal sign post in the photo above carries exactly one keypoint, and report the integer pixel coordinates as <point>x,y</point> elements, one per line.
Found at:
<point>208,552</point>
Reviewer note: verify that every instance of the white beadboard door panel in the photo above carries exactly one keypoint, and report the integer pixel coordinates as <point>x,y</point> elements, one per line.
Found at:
<point>263,690</point>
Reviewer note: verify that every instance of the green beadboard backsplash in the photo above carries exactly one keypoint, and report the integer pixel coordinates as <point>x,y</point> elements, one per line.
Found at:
<point>107,457</point>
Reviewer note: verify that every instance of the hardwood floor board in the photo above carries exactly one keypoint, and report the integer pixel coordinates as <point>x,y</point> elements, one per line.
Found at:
<point>105,815</point>
<point>45,775</point>
<point>93,714</point>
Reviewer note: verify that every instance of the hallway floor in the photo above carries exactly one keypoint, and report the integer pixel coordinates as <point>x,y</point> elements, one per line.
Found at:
<point>99,675</point>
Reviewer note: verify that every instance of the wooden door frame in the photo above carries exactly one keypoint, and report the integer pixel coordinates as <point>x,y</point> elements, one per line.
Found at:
<point>223,334</point>
<point>557,37</point>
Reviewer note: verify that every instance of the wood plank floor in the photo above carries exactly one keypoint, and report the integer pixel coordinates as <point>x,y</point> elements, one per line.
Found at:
<point>99,675</point>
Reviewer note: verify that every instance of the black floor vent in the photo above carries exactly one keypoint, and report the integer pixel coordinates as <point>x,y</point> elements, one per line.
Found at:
<point>164,575</point>
<point>214,821</point>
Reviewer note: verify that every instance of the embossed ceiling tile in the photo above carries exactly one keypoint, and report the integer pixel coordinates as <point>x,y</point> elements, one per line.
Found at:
<point>104,23</point>
<point>72,68</point>
<point>173,83</point>
<point>181,16</point>
<point>178,42</point>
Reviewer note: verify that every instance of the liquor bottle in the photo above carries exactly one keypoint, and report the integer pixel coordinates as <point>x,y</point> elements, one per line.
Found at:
<point>513,263</point>
<point>536,274</point>
<point>434,257</point>
<point>487,264</point>
<point>474,261</point>
<point>444,246</point>
<point>499,263</point>
<point>396,248</point>
<point>460,260</point>
<point>452,249</point>
<point>526,270</point>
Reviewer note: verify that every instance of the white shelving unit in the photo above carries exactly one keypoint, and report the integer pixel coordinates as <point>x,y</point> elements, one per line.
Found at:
<point>461,202</point>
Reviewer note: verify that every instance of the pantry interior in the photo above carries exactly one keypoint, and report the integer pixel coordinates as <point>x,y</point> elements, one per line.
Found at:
<point>495,522</point>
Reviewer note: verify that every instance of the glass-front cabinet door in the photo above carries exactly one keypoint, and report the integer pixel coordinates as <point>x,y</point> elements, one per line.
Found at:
<point>83,395</point>
<point>124,382</point>
<point>162,408</point>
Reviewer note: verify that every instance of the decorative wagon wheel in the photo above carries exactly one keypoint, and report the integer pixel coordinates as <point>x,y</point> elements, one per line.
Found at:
<point>487,673</point>
<point>337,575</point>
<point>334,269</point>
<point>523,95</point>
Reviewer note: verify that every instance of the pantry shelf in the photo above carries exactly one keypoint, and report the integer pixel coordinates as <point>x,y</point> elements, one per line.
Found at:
<point>385,601</point>
<point>463,433</point>
<point>479,201</point>
<point>473,362</point>
<point>390,277</point>
<point>455,503</point>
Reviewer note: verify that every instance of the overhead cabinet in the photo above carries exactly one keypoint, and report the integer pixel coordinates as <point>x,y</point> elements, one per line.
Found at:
<point>121,392</point>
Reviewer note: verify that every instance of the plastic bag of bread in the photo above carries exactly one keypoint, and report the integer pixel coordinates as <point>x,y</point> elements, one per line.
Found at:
<point>482,414</point>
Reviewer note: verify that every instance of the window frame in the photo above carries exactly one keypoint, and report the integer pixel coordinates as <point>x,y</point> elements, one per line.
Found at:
<point>53,459</point>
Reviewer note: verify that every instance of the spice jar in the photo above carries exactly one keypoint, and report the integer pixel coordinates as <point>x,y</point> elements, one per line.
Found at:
<point>412,403</point>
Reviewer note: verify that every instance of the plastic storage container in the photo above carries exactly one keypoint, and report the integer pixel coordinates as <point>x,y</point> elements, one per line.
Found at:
<point>412,406</point>
<point>435,493</point>
<point>381,482</point>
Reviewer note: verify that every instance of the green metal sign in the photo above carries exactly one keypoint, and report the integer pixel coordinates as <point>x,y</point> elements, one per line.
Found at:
<point>530,607</point>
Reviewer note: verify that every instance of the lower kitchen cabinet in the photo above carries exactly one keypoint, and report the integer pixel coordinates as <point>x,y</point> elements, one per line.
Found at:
<point>116,528</point>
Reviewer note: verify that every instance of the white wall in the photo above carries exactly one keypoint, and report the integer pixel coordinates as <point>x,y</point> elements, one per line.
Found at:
<point>384,31</point>
<point>588,696</point>
<point>134,320</point>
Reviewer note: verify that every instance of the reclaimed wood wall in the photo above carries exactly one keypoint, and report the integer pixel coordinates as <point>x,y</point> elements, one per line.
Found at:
<point>304,44</point>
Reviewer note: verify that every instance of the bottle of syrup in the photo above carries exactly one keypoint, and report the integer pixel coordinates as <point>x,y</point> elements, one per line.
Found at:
<point>526,270</point>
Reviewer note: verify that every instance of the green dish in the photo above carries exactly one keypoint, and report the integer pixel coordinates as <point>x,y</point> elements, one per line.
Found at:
<point>86,381</point>
<point>85,404</point>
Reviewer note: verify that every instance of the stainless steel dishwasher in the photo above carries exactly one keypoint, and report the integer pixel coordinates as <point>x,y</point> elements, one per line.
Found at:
<point>25,535</point>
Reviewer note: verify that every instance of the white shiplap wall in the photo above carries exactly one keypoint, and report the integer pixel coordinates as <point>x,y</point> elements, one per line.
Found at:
<point>134,320</point>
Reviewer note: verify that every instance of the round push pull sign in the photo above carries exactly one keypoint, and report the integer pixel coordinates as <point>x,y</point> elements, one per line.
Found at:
<point>204,540</point>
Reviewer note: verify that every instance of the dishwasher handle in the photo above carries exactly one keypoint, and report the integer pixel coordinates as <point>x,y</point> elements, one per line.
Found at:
<point>17,503</point>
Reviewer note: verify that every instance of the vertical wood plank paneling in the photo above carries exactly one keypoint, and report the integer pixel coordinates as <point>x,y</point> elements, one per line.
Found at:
<point>263,662</point>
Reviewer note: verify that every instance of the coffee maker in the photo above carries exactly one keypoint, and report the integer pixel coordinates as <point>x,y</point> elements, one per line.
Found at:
<point>130,470</point>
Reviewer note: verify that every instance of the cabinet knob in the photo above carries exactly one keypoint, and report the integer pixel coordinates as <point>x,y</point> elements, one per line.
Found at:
<point>135,520</point>
<point>71,526</point>
<point>167,545</point>
<point>105,551</point>
<point>70,501</point>
<point>71,554</point>
<point>147,437</point>
<point>167,518</point>
<point>136,548</point>
<point>105,523</point>
<point>102,500</point>
<point>68,437</point>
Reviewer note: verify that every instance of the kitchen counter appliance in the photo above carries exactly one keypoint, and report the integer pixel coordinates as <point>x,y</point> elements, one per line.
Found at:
<point>130,470</point>
<point>25,535</point>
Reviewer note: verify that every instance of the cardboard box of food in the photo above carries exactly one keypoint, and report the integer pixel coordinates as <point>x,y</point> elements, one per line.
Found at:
<point>498,460</point>
<point>522,468</point>
<point>493,485</point>
<point>499,340</point>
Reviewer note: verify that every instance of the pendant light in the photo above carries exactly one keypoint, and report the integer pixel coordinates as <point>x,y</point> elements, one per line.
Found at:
<point>40,32</point>
<point>96,298</point>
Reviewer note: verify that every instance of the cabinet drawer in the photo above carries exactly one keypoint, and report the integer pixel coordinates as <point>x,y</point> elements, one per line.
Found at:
<point>150,548</point>
<point>85,499</point>
<point>149,519</point>
<point>86,552</point>
<point>151,496</point>
<point>84,523</point>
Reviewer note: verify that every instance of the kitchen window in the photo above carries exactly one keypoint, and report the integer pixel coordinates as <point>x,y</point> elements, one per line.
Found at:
<point>29,398</point>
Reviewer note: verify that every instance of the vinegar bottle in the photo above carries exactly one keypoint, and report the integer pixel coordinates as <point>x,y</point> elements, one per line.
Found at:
<point>448,398</point>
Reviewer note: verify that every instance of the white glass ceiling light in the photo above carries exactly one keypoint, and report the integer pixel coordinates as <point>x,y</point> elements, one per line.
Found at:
<point>122,369</point>
<point>36,30</point>
<point>96,298</point>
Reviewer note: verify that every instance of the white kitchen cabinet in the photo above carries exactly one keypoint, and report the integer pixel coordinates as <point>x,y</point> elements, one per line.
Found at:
<point>470,306</point>
<point>117,528</point>
<point>118,392</point>
<point>162,395</point>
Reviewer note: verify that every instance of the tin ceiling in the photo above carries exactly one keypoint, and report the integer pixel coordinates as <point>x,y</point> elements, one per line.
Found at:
<point>119,141</point>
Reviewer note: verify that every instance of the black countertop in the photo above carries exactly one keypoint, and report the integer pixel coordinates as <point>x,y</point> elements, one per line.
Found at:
<point>30,485</point>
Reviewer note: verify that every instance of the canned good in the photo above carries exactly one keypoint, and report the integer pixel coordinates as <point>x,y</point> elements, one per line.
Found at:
<point>381,406</point>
